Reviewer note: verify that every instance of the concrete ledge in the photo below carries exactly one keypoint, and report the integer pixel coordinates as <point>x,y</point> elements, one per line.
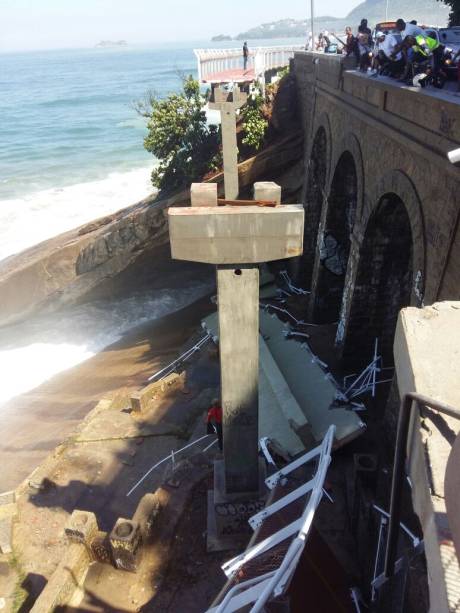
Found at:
<point>8,513</point>
<point>66,580</point>
<point>426,351</point>
<point>141,400</point>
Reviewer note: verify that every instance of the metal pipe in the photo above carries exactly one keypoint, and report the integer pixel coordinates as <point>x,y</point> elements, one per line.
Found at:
<point>404,419</point>
<point>312,17</point>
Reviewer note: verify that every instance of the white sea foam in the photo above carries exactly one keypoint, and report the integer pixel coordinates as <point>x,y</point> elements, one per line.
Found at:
<point>29,220</point>
<point>33,352</point>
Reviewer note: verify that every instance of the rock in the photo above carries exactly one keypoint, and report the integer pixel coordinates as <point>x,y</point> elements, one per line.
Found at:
<point>65,268</point>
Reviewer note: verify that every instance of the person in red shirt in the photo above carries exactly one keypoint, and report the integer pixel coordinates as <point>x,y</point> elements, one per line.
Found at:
<point>214,421</point>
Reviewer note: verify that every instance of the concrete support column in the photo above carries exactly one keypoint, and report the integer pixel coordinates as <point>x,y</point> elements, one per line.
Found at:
<point>230,152</point>
<point>238,294</point>
<point>228,103</point>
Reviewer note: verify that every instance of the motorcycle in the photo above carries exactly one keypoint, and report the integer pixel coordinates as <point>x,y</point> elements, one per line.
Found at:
<point>424,74</point>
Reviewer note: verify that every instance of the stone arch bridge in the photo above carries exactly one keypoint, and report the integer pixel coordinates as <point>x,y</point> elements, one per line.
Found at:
<point>381,198</point>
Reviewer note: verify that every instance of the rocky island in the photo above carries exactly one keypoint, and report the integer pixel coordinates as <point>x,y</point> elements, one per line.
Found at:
<point>220,38</point>
<point>104,44</point>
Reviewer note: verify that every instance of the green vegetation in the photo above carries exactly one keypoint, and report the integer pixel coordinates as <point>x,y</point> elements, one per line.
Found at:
<point>179,137</point>
<point>454,15</point>
<point>254,122</point>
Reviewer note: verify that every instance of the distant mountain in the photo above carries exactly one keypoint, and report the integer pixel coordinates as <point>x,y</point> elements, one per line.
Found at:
<point>429,12</point>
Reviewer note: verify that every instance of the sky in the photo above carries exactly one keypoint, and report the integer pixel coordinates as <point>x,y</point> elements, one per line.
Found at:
<point>48,24</point>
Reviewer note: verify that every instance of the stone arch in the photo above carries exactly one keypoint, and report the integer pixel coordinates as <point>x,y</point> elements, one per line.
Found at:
<point>315,186</point>
<point>334,241</point>
<point>389,270</point>
<point>397,182</point>
<point>351,144</point>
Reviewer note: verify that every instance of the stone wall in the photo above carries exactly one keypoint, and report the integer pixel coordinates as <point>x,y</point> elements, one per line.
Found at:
<point>403,241</point>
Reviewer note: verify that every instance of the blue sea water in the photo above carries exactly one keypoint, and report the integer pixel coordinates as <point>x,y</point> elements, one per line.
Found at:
<point>71,144</point>
<point>66,116</point>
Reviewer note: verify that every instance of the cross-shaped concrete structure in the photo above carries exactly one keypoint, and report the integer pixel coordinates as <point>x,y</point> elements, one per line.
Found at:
<point>237,239</point>
<point>228,102</point>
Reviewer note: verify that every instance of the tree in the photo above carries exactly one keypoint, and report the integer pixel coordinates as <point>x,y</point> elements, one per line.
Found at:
<point>186,147</point>
<point>454,15</point>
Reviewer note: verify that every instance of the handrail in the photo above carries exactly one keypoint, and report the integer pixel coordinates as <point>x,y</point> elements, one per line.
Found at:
<point>277,583</point>
<point>211,62</point>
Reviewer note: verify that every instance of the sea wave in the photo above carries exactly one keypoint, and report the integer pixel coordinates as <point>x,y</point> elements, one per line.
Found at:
<point>34,351</point>
<point>26,221</point>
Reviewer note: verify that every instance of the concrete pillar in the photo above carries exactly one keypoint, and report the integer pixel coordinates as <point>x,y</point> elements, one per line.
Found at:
<point>204,194</point>
<point>237,239</point>
<point>230,153</point>
<point>238,293</point>
<point>228,103</point>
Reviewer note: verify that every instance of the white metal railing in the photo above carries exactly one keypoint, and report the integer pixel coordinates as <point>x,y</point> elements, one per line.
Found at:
<point>258,591</point>
<point>172,457</point>
<point>170,368</point>
<point>211,62</point>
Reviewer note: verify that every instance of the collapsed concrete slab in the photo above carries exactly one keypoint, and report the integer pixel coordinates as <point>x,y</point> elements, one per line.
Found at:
<point>314,389</point>
<point>295,393</point>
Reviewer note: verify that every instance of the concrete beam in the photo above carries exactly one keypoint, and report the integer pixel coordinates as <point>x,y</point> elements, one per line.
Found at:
<point>236,235</point>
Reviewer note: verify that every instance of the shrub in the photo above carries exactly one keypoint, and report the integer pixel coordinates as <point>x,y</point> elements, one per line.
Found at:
<point>186,147</point>
<point>254,122</point>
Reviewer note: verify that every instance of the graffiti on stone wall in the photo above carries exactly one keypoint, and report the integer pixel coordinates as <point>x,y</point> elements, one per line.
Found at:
<point>332,255</point>
<point>232,518</point>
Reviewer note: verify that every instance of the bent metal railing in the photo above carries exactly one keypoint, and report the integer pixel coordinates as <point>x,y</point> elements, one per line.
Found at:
<point>215,62</point>
<point>259,590</point>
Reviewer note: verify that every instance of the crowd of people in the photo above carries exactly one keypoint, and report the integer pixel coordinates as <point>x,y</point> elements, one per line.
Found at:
<point>401,52</point>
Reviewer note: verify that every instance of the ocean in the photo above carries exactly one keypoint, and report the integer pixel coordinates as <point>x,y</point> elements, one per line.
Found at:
<point>71,143</point>
<point>71,150</point>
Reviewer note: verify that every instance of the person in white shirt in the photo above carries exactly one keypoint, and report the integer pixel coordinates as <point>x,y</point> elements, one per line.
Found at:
<point>387,58</point>
<point>409,29</point>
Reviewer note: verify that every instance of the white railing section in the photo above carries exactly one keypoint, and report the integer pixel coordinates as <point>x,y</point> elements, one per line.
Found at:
<point>170,368</point>
<point>172,457</point>
<point>273,584</point>
<point>212,62</point>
